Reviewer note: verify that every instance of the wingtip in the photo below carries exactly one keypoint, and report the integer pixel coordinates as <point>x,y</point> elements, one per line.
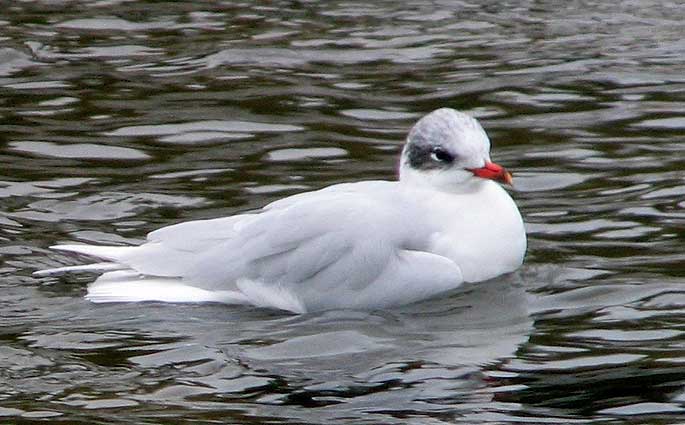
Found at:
<point>68,247</point>
<point>48,272</point>
<point>87,268</point>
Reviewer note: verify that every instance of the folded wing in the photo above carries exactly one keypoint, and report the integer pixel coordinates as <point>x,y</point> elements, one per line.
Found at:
<point>326,249</point>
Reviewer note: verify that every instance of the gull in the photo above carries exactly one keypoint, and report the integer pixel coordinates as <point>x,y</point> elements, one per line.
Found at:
<point>361,245</point>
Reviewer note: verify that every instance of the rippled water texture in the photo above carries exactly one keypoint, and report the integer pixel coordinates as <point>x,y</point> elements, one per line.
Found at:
<point>120,117</point>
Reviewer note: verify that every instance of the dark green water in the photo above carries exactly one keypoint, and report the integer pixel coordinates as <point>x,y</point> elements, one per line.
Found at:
<point>119,117</point>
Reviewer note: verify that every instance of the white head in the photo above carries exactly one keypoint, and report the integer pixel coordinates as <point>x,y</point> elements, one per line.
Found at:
<point>448,149</point>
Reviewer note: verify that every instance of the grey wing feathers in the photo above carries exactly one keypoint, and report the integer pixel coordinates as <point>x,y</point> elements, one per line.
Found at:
<point>337,239</point>
<point>288,244</point>
<point>322,242</point>
<point>194,235</point>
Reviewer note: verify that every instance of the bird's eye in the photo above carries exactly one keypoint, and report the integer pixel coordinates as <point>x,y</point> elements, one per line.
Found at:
<point>441,155</point>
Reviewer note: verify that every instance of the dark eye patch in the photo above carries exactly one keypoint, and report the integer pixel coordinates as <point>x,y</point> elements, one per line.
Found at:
<point>427,157</point>
<point>440,154</point>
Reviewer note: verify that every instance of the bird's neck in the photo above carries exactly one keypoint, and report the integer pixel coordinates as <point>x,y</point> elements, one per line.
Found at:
<point>439,181</point>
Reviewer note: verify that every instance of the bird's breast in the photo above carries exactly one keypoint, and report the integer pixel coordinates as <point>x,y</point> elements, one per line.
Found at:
<point>482,232</point>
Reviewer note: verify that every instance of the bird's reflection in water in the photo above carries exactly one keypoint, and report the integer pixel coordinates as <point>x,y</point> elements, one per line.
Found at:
<point>464,330</point>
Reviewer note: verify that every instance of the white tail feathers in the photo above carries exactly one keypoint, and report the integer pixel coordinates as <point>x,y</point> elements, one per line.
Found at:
<point>129,286</point>
<point>120,283</point>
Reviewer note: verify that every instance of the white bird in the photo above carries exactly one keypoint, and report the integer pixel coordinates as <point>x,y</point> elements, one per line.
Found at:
<point>361,245</point>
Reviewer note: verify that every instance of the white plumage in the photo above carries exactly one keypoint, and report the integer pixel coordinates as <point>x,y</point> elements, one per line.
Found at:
<point>370,244</point>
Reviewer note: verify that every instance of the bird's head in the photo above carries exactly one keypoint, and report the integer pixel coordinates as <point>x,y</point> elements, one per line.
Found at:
<point>448,150</point>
